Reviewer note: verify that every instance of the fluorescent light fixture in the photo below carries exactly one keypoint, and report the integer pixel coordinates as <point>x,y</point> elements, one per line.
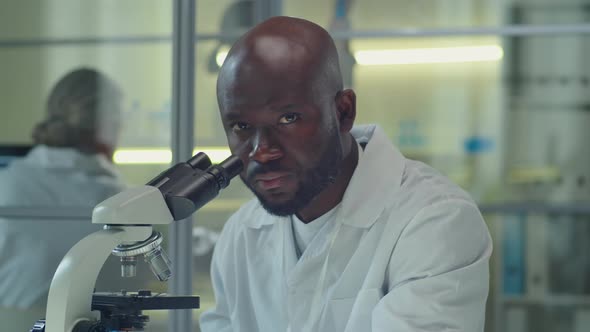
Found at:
<point>221,55</point>
<point>216,155</point>
<point>429,55</point>
<point>164,156</point>
<point>481,53</point>
<point>142,156</point>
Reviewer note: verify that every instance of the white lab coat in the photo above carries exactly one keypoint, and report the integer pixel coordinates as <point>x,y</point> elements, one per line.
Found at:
<point>30,250</point>
<point>411,254</point>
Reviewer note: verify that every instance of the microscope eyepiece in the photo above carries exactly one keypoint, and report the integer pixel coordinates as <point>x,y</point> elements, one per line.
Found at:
<point>225,171</point>
<point>199,161</point>
<point>232,166</point>
<point>185,193</point>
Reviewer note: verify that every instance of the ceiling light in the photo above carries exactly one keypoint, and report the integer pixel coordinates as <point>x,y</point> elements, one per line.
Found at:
<point>164,156</point>
<point>429,55</point>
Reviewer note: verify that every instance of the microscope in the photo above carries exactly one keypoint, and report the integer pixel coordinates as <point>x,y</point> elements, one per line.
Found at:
<point>175,194</point>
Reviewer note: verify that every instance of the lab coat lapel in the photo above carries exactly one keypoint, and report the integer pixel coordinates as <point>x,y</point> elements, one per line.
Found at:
<point>289,256</point>
<point>367,195</point>
<point>369,191</point>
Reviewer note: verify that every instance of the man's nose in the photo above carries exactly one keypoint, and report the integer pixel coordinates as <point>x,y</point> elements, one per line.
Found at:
<point>264,147</point>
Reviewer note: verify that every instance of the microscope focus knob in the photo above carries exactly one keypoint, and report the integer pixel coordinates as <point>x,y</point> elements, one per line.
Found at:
<point>39,326</point>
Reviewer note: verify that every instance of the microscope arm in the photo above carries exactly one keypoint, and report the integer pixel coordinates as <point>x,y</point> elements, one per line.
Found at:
<point>129,217</point>
<point>70,295</point>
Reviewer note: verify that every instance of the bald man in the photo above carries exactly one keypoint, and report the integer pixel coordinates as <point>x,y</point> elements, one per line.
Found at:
<point>345,234</point>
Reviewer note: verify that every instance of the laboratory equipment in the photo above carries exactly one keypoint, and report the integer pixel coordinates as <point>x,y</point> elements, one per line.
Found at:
<point>122,311</point>
<point>128,218</point>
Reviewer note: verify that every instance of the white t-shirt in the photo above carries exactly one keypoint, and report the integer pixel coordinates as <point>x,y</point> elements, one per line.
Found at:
<point>305,233</point>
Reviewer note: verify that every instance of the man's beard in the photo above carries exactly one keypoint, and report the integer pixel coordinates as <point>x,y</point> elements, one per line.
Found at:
<point>313,181</point>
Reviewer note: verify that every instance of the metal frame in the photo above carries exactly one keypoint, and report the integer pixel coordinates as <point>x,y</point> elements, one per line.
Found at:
<point>125,40</point>
<point>182,132</point>
<point>507,30</point>
<point>569,209</point>
<point>76,213</point>
<point>55,214</point>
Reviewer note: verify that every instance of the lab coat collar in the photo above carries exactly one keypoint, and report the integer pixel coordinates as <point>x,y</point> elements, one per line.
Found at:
<point>376,178</point>
<point>69,158</point>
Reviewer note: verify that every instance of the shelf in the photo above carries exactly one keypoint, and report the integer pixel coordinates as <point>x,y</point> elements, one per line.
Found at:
<point>567,208</point>
<point>547,300</point>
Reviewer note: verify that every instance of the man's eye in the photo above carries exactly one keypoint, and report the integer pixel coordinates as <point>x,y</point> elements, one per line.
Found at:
<point>289,118</point>
<point>239,126</point>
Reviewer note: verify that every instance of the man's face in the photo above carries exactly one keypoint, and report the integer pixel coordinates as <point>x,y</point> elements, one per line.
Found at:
<point>287,139</point>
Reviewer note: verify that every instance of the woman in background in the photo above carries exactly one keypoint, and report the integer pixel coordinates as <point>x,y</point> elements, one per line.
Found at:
<point>70,166</point>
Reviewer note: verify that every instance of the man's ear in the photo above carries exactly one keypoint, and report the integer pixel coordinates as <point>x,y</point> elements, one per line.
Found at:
<point>346,108</point>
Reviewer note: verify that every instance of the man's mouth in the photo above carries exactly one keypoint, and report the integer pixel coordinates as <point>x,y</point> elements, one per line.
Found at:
<point>271,180</point>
